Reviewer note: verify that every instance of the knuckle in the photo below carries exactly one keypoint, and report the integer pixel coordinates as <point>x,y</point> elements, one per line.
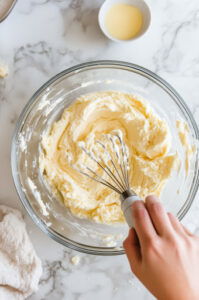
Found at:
<point>153,244</point>
<point>181,242</point>
<point>176,245</point>
<point>172,239</point>
<point>153,251</point>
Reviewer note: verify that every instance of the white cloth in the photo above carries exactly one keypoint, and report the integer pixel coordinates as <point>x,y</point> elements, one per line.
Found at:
<point>20,268</point>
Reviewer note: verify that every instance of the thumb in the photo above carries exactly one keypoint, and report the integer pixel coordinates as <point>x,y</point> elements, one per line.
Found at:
<point>132,249</point>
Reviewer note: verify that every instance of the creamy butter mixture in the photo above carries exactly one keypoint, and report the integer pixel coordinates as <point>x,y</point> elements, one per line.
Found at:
<point>183,132</point>
<point>147,138</point>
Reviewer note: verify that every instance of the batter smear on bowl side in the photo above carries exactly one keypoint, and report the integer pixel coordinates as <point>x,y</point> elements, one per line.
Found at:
<point>145,134</point>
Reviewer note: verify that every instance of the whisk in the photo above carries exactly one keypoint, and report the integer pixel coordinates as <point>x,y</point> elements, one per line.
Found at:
<point>115,164</point>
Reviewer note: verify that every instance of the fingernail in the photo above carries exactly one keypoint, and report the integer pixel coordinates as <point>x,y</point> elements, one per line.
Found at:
<point>151,198</point>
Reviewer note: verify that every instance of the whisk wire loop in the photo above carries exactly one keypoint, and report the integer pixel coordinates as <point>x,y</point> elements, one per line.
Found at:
<point>121,183</point>
<point>117,158</point>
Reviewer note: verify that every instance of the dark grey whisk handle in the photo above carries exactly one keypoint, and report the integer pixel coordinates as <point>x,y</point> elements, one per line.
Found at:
<point>126,208</point>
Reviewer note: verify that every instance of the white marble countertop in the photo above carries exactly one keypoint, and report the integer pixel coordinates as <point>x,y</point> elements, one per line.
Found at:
<point>41,38</point>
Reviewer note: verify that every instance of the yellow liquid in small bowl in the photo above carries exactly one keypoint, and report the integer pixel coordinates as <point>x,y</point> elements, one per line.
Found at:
<point>123,21</point>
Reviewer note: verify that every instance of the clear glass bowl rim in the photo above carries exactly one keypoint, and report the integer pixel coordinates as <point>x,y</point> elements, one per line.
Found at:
<point>78,68</point>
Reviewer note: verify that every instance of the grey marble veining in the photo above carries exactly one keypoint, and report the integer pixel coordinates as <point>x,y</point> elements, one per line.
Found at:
<point>41,38</point>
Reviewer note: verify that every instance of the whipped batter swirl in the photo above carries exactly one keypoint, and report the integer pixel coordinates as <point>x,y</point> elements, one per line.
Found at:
<point>146,136</point>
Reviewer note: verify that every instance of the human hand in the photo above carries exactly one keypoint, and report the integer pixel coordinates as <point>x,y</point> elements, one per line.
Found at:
<point>162,253</point>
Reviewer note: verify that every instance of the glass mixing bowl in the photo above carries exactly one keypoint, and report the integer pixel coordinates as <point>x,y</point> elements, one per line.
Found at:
<point>46,106</point>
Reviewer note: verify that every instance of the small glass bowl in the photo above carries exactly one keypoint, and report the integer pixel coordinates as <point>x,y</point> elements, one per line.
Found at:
<point>46,106</point>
